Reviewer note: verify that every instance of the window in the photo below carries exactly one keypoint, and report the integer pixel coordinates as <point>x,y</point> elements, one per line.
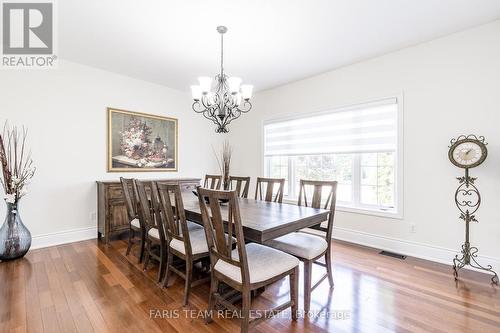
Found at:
<point>356,146</point>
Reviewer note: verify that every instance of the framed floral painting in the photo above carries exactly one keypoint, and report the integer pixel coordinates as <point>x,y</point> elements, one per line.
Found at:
<point>141,142</point>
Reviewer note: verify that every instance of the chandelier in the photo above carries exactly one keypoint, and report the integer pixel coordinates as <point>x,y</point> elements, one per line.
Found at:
<point>223,98</point>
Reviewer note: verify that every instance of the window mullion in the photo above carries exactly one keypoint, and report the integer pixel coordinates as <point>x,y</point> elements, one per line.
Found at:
<point>356,180</point>
<point>377,188</point>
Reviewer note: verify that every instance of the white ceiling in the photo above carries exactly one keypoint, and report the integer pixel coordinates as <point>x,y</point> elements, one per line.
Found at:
<point>269,42</point>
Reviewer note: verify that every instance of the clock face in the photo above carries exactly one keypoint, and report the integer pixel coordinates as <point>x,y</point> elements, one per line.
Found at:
<point>467,153</point>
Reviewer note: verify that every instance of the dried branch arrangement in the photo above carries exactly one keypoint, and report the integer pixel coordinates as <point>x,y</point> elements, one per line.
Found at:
<point>16,162</point>
<point>224,161</point>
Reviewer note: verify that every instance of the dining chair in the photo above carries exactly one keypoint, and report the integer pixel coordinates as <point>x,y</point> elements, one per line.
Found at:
<point>311,247</point>
<point>187,244</point>
<point>242,185</point>
<point>212,182</point>
<point>147,194</point>
<point>135,223</point>
<point>269,189</point>
<point>246,268</point>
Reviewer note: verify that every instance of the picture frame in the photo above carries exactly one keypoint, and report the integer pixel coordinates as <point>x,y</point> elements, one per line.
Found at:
<point>141,142</point>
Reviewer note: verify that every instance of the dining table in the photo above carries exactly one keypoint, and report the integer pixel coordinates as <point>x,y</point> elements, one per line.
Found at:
<point>262,220</point>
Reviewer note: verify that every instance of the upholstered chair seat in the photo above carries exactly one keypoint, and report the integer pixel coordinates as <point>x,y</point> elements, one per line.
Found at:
<point>300,244</point>
<point>153,232</point>
<point>263,263</point>
<point>315,231</point>
<point>194,226</point>
<point>197,239</point>
<point>135,223</point>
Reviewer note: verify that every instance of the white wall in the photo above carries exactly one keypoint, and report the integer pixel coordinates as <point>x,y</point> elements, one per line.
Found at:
<point>65,112</point>
<point>451,86</point>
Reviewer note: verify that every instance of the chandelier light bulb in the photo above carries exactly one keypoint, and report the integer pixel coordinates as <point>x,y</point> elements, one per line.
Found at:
<point>238,99</point>
<point>246,91</point>
<point>234,84</point>
<point>205,84</point>
<point>196,92</point>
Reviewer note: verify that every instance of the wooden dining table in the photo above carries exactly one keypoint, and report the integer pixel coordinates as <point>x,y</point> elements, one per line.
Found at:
<point>262,220</point>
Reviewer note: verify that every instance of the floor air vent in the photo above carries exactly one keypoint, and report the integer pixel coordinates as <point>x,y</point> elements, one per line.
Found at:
<point>392,254</point>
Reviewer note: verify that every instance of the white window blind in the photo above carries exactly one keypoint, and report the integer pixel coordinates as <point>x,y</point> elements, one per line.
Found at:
<point>370,127</point>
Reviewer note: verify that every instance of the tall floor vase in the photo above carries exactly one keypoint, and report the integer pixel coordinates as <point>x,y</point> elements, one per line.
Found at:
<point>15,238</point>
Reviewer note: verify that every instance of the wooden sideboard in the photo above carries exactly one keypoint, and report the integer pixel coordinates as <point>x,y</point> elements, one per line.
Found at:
<point>111,211</point>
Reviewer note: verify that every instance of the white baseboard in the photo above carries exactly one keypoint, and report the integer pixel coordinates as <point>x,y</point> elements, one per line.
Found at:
<point>63,237</point>
<point>409,248</point>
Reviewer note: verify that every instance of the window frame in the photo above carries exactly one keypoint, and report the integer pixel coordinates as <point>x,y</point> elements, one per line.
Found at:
<point>398,212</point>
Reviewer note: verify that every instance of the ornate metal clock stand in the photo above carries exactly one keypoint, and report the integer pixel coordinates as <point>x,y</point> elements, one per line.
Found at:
<point>467,197</point>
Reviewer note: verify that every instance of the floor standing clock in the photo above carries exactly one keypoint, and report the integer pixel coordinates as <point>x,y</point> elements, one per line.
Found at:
<point>468,152</point>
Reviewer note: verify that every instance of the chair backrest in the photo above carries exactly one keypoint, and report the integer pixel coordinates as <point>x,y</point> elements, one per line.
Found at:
<point>242,185</point>
<point>212,182</point>
<point>129,196</point>
<point>318,187</point>
<point>214,219</point>
<point>147,195</point>
<point>172,214</point>
<point>270,182</point>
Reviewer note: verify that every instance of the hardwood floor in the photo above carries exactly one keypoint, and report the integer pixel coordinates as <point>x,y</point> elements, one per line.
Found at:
<point>89,287</point>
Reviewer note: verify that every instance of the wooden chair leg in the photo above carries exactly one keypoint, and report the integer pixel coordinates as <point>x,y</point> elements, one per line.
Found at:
<point>147,253</point>
<point>214,288</point>
<point>143,246</point>
<point>329,268</point>
<point>131,235</point>
<point>307,284</point>
<point>161,269</point>
<point>170,258</point>
<point>294,292</point>
<point>245,310</point>
<point>189,278</point>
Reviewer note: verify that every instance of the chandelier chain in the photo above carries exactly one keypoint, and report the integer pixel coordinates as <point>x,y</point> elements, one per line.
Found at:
<point>222,54</point>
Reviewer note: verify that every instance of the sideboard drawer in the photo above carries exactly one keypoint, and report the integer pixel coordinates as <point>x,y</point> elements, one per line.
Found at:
<point>115,191</point>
